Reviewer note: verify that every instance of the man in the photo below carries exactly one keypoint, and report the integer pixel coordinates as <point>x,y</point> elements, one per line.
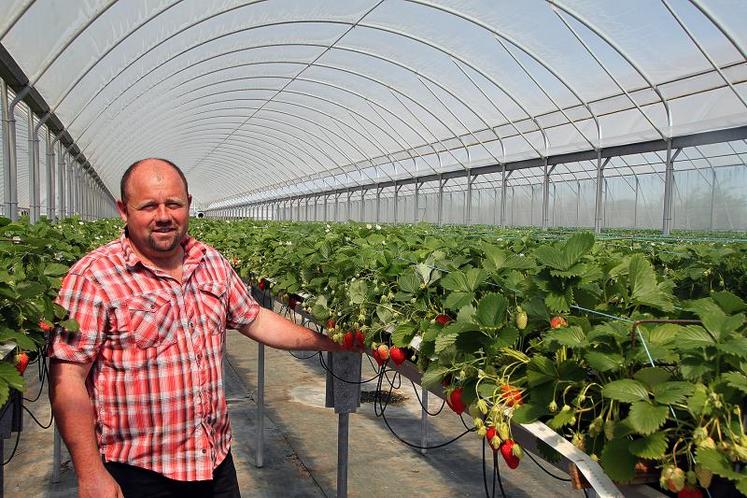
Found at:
<point>138,392</point>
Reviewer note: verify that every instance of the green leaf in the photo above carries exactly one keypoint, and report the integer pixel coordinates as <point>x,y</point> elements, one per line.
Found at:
<point>644,289</point>
<point>527,413</point>
<point>664,334</point>
<point>627,390</point>
<point>736,346</point>
<point>540,370</point>
<point>457,300</point>
<point>20,339</point>
<point>424,272</point>
<point>572,336</point>
<point>576,246</point>
<point>433,376</point>
<point>652,447</point>
<point>617,461</point>
<point>550,256</point>
<point>557,302</point>
<point>669,393</point>
<point>30,290</point>
<point>562,418</point>
<point>491,310</point>
<point>486,389</point>
<point>466,313</point>
<point>464,282</point>
<point>737,380</point>
<point>729,302</point>
<point>409,282</point>
<point>697,401</point>
<point>693,337</point>
<point>403,334</point>
<point>647,418</point>
<point>495,258</point>
<point>10,376</point>
<point>443,341</point>
<point>357,292</point>
<point>652,376</point>
<point>718,463</point>
<point>604,362</point>
<point>55,270</point>
<point>70,325</point>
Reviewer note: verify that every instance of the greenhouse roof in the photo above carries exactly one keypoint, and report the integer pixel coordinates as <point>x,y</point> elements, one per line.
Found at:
<point>275,98</point>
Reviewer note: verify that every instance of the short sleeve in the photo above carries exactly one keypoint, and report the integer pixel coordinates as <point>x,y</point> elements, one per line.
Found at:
<point>84,300</point>
<point>242,308</point>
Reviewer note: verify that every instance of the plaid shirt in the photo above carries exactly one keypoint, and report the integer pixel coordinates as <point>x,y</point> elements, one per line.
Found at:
<point>157,352</point>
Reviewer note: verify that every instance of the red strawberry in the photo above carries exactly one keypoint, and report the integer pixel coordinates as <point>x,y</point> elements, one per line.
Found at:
<point>262,284</point>
<point>454,400</point>
<point>377,357</point>
<point>442,319</point>
<point>397,355</point>
<point>347,340</point>
<point>558,322</point>
<point>22,361</point>
<point>45,326</point>
<point>331,323</point>
<point>511,395</point>
<point>688,492</point>
<point>507,451</point>
<point>359,340</point>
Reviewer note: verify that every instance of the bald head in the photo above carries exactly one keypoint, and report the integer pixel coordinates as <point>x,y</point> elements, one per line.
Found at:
<point>155,166</point>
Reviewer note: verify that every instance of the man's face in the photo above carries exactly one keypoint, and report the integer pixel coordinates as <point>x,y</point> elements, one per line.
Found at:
<point>157,209</point>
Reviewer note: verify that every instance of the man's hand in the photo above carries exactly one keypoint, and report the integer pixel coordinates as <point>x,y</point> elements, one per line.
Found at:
<point>99,484</point>
<point>278,332</point>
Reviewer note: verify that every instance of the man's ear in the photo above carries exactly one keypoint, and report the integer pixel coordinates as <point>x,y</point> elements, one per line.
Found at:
<point>189,201</point>
<point>122,209</point>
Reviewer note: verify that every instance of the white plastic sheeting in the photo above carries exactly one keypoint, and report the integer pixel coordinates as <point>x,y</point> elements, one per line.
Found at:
<point>258,99</point>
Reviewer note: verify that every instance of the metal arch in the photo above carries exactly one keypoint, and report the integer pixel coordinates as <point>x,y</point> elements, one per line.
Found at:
<point>435,47</point>
<point>69,42</point>
<point>407,68</point>
<point>391,89</point>
<point>546,94</point>
<point>528,52</point>
<point>17,18</point>
<point>719,25</point>
<point>609,73</point>
<point>703,51</point>
<point>620,51</point>
<point>302,119</point>
<point>347,49</point>
<point>308,65</point>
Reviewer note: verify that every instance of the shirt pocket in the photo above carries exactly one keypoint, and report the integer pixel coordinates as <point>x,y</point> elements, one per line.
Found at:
<point>213,302</point>
<point>150,319</point>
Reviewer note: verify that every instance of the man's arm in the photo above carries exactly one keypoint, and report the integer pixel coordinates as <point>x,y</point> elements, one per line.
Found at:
<point>73,412</point>
<point>278,332</point>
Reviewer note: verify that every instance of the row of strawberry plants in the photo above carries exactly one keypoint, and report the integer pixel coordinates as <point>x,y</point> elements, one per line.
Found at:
<point>33,260</point>
<point>519,328</point>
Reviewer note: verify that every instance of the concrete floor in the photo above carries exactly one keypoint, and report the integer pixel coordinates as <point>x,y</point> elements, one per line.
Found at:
<point>300,458</point>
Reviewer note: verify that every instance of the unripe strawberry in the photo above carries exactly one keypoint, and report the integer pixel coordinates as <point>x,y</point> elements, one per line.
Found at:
<point>383,351</point>
<point>482,406</point>
<point>521,319</point>
<point>704,475</point>
<point>504,431</point>
<point>676,480</point>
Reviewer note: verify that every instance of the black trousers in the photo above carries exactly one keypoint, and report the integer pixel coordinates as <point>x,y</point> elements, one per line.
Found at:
<point>142,483</point>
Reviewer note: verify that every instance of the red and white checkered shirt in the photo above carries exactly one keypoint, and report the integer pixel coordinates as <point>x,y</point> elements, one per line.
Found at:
<point>157,352</point>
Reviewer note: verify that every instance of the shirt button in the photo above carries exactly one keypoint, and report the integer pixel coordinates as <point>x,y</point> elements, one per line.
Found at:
<point>199,357</point>
<point>204,451</point>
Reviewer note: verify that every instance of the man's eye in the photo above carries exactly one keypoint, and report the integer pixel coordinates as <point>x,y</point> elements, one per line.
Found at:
<point>148,207</point>
<point>174,205</point>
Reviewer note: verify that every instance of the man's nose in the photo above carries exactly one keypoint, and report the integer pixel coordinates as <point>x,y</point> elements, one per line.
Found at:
<point>162,214</point>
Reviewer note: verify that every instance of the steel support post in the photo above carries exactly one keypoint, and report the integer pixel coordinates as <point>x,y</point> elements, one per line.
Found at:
<point>441,184</point>
<point>378,203</point>
<point>260,404</point>
<point>33,157</point>
<point>504,191</point>
<point>546,195</point>
<point>668,190</point>
<point>468,199</point>
<point>416,202</point>
<point>713,198</point>
<point>316,207</point>
<point>598,204</point>
<point>350,206</point>
<point>635,205</point>
<point>61,177</point>
<point>363,204</point>
<point>343,424</point>
<point>51,184</point>
<point>424,420</point>
<point>9,176</point>
<point>396,200</point>
<point>57,455</point>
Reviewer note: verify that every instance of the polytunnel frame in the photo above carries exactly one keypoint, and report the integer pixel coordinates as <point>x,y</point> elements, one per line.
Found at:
<point>556,5</point>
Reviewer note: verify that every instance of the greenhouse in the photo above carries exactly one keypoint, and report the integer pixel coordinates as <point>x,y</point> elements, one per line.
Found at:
<point>517,230</point>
